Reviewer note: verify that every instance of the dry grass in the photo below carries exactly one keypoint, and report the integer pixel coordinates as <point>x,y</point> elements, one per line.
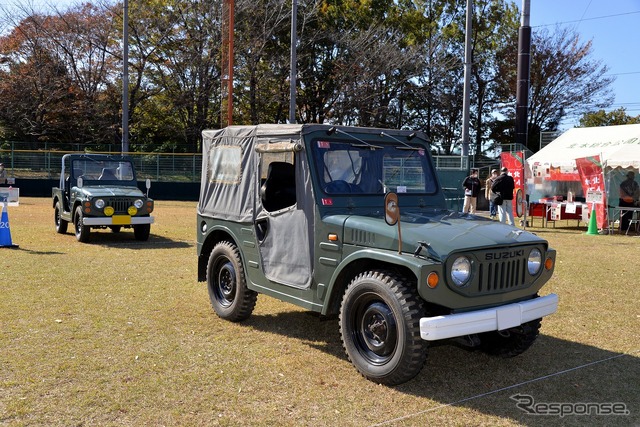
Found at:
<point>118,332</point>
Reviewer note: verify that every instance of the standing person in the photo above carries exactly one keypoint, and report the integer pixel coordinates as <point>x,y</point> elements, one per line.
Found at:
<point>629,196</point>
<point>487,192</point>
<point>471,185</point>
<point>3,174</point>
<point>504,186</point>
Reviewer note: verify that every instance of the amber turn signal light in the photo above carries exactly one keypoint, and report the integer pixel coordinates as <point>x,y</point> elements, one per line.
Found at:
<point>432,279</point>
<point>548,264</point>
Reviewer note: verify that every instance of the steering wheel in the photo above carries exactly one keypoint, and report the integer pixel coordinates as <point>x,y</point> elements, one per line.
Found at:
<point>340,186</point>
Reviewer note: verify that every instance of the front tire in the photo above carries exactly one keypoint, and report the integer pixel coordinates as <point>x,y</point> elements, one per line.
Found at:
<point>226,283</point>
<point>82,231</point>
<point>141,232</point>
<point>61,224</point>
<point>380,327</point>
<point>512,342</point>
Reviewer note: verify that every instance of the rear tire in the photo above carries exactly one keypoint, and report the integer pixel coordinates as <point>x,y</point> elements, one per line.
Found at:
<point>61,224</point>
<point>82,231</point>
<point>380,327</point>
<point>226,283</point>
<point>512,342</point>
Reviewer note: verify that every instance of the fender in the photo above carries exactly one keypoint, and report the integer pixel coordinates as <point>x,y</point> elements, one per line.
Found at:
<point>407,260</point>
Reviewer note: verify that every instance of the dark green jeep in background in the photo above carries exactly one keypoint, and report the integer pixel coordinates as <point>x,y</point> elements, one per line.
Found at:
<point>353,222</point>
<point>100,191</point>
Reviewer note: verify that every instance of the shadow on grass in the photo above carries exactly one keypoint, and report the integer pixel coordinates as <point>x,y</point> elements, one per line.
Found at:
<point>126,239</point>
<point>553,370</point>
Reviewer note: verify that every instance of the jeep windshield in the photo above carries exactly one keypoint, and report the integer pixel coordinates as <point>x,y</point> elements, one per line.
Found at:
<point>90,169</point>
<point>349,167</point>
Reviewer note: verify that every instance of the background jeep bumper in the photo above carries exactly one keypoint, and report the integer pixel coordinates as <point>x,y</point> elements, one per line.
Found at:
<point>490,319</point>
<point>118,220</point>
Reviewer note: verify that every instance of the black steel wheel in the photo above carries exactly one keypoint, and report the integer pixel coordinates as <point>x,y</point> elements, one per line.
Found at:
<point>61,224</point>
<point>511,342</point>
<point>380,327</point>
<point>226,283</point>
<point>82,231</point>
<point>141,231</point>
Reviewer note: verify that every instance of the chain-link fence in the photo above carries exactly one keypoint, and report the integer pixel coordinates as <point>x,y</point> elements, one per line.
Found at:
<point>174,167</point>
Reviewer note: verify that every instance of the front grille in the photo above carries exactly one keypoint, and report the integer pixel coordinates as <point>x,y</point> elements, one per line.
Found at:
<point>501,276</point>
<point>120,205</point>
<point>497,270</point>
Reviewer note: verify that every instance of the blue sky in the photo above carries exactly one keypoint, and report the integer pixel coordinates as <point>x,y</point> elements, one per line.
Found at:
<point>613,26</point>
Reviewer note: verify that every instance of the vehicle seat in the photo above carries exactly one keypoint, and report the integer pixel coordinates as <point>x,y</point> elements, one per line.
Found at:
<point>279,190</point>
<point>107,174</point>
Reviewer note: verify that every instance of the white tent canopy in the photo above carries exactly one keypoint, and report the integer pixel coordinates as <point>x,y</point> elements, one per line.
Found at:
<point>552,170</point>
<point>618,146</point>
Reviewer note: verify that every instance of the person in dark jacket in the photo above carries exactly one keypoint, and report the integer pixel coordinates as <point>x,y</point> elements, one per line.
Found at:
<point>504,186</point>
<point>471,185</point>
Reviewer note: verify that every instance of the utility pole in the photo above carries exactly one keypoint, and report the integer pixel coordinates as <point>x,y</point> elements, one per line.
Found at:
<point>293,67</point>
<point>522,90</point>
<point>125,79</point>
<point>226,91</point>
<point>467,81</point>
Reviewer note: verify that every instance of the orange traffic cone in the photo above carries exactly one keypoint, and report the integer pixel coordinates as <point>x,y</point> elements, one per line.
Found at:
<point>5,230</point>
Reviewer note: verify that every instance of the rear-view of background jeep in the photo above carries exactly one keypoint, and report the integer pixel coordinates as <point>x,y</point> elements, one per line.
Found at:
<point>352,222</point>
<point>100,191</point>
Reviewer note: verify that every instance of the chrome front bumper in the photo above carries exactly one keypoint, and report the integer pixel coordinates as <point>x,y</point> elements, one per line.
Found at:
<point>118,220</point>
<point>490,319</point>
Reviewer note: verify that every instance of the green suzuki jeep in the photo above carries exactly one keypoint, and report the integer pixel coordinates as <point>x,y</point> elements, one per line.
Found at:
<point>100,191</point>
<point>352,222</point>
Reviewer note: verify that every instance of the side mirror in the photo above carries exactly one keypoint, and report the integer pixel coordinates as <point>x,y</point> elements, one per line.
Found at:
<point>147,183</point>
<point>80,182</point>
<point>391,208</point>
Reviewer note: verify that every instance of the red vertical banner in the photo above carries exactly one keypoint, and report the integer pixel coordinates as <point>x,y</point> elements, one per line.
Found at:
<point>515,163</point>
<point>592,178</point>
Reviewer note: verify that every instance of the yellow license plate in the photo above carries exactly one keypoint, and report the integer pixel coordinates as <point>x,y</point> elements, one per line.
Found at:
<point>121,219</point>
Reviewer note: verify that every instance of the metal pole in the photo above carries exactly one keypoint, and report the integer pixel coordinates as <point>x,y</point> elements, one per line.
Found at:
<point>467,81</point>
<point>293,67</point>
<point>125,79</point>
<point>522,89</point>
<point>232,9</point>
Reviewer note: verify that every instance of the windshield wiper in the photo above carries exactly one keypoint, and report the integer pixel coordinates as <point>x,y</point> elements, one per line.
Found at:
<point>405,146</point>
<point>363,144</point>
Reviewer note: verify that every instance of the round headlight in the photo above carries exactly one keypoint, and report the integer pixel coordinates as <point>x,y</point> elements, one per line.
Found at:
<point>138,204</point>
<point>99,203</point>
<point>461,271</point>
<point>534,262</point>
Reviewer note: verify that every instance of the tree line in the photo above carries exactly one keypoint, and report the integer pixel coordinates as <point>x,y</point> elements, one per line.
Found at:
<point>389,64</point>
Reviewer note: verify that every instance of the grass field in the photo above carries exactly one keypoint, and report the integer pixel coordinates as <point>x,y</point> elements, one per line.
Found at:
<point>119,332</point>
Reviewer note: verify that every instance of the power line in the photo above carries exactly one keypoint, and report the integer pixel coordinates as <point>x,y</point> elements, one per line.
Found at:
<point>587,19</point>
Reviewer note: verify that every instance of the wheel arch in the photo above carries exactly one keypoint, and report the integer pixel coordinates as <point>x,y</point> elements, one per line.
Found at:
<point>359,262</point>
<point>213,237</point>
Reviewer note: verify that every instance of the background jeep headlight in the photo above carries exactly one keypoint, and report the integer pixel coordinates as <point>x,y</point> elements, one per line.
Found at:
<point>534,262</point>
<point>99,203</point>
<point>138,204</point>
<point>461,271</point>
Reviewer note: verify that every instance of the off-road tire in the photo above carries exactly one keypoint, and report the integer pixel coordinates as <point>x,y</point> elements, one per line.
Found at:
<point>61,224</point>
<point>512,342</point>
<point>380,327</point>
<point>83,232</point>
<point>141,232</point>
<point>227,285</point>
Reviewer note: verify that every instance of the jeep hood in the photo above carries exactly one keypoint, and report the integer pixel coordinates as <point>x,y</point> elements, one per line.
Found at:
<point>110,191</point>
<point>445,231</point>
